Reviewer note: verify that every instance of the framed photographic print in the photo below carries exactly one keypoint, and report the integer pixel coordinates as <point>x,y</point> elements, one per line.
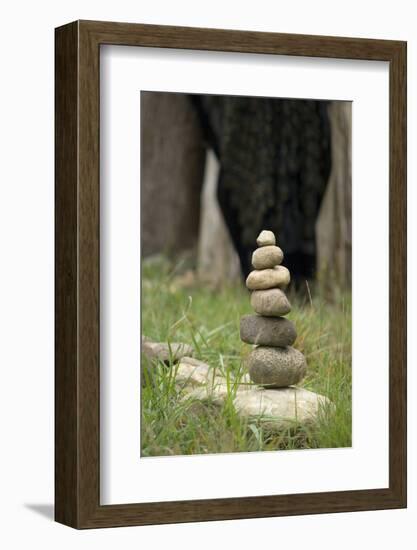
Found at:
<point>230,274</point>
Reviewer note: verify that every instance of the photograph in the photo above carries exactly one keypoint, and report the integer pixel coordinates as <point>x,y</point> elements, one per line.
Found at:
<point>246,273</point>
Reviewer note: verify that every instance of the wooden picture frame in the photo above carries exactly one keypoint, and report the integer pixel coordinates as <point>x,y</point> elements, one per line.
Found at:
<point>77,360</point>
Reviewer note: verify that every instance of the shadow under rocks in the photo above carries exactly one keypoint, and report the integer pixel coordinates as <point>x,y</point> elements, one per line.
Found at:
<point>45,510</point>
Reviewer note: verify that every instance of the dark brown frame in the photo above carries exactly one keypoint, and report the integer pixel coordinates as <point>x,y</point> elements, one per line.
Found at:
<point>77,358</point>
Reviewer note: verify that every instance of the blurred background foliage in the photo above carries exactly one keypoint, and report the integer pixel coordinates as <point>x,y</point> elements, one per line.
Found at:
<point>216,170</point>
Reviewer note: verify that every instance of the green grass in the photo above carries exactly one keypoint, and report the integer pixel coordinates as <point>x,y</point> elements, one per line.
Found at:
<point>209,320</point>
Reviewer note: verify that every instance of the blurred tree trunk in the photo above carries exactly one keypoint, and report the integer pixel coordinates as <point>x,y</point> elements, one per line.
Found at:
<point>334,223</point>
<point>218,261</point>
<point>172,167</point>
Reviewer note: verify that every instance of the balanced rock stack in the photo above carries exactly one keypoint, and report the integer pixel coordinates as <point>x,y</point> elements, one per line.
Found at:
<point>273,363</point>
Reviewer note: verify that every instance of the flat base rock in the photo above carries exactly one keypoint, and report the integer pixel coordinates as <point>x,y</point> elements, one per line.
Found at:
<point>281,408</point>
<point>276,409</point>
<point>162,351</point>
<point>191,373</point>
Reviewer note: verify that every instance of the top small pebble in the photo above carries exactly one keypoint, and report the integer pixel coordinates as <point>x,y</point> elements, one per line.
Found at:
<point>265,238</point>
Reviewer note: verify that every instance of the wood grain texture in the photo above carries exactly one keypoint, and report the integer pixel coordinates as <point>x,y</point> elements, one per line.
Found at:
<point>66,237</point>
<point>398,274</point>
<point>77,404</point>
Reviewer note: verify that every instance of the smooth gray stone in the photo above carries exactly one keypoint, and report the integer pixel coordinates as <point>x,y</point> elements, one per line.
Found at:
<point>154,353</point>
<point>193,372</point>
<point>262,279</point>
<point>282,408</point>
<point>275,409</point>
<point>270,303</point>
<point>267,256</point>
<point>161,351</point>
<point>267,331</point>
<point>276,367</point>
<point>266,238</point>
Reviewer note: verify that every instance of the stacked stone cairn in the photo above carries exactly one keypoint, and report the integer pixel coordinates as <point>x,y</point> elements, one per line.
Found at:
<point>273,363</point>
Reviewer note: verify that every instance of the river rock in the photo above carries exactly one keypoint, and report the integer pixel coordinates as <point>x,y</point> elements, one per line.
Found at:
<point>283,408</point>
<point>261,279</point>
<point>267,256</point>
<point>266,238</point>
<point>275,409</point>
<point>271,302</point>
<point>216,393</point>
<point>193,372</point>
<point>161,351</point>
<point>267,331</point>
<point>276,367</point>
